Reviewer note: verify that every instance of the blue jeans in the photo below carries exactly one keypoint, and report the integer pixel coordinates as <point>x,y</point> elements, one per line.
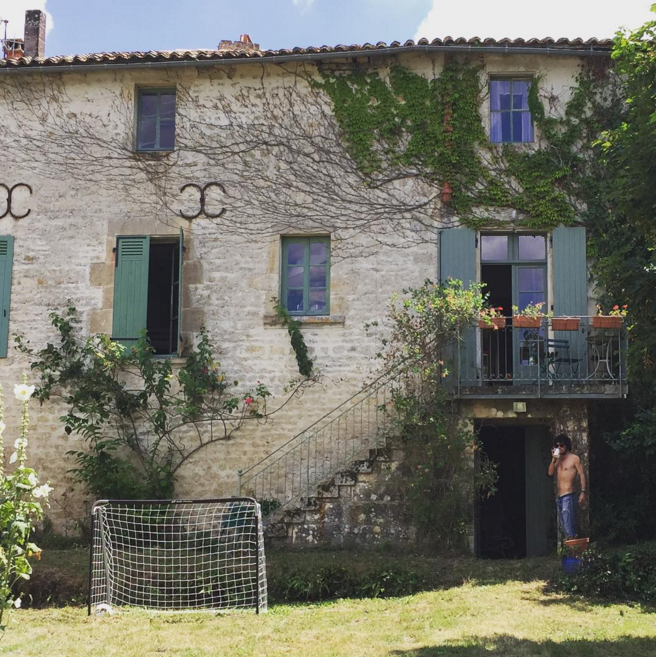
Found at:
<point>567,505</point>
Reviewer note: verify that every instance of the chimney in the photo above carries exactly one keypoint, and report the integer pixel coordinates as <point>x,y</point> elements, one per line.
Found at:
<point>13,48</point>
<point>244,43</point>
<point>35,33</point>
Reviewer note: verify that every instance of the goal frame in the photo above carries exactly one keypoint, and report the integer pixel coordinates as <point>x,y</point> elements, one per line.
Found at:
<point>259,563</point>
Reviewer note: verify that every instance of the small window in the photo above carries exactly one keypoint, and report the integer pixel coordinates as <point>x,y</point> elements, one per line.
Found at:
<point>510,117</point>
<point>306,275</point>
<point>494,247</point>
<point>156,120</point>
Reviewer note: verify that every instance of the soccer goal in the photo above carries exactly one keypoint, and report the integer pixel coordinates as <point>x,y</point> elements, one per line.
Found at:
<point>177,555</point>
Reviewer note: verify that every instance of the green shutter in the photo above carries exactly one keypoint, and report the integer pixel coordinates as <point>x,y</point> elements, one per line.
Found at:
<point>570,275</point>
<point>458,261</point>
<point>458,255</point>
<point>6,260</point>
<point>570,288</point>
<point>130,289</point>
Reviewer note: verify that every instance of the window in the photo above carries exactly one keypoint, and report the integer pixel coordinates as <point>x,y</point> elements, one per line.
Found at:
<point>306,275</point>
<point>6,261</point>
<point>147,286</point>
<point>510,117</point>
<point>155,119</point>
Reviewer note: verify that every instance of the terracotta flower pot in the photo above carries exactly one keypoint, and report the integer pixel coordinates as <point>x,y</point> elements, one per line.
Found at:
<point>521,321</point>
<point>607,322</point>
<point>565,323</point>
<point>494,323</point>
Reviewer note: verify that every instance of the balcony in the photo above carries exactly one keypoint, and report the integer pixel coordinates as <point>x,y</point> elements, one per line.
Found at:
<point>549,360</point>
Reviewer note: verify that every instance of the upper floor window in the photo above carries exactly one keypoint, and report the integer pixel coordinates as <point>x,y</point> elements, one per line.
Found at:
<point>510,117</point>
<point>306,275</point>
<point>155,119</point>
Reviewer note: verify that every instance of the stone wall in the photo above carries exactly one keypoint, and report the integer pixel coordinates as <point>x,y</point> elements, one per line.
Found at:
<point>64,251</point>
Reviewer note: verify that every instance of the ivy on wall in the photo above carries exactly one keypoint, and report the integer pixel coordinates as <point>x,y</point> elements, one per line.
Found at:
<point>403,125</point>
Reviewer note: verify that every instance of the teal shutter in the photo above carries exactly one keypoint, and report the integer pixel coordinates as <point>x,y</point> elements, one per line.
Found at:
<point>458,261</point>
<point>570,275</point>
<point>130,289</point>
<point>6,262</point>
<point>458,255</point>
<point>571,290</point>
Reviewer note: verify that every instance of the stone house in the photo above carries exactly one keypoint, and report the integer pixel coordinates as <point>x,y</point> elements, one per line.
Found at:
<point>106,208</point>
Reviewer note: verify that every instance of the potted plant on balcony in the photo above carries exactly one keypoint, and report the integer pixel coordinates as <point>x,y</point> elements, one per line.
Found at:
<point>491,318</point>
<point>565,323</point>
<point>611,321</point>
<point>530,316</point>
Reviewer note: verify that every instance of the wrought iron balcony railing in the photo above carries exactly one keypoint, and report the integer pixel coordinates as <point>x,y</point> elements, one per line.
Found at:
<point>579,356</point>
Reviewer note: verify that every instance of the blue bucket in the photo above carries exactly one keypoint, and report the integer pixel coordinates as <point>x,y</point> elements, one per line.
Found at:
<point>571,565</point>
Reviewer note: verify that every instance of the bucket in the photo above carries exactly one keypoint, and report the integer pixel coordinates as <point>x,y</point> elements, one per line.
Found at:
<point>571,565</point>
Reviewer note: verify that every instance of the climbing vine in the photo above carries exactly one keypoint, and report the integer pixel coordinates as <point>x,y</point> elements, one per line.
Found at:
<point>402,125</point>
<point>305,364</point>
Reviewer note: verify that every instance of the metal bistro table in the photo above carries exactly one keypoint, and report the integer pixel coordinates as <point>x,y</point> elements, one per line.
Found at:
<point>604,352</point>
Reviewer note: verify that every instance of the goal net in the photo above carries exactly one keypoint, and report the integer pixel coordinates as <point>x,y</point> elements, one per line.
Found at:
<point>178,555</point>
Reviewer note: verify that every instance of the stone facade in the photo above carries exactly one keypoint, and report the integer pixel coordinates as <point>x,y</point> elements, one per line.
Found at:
<point>64,249</point>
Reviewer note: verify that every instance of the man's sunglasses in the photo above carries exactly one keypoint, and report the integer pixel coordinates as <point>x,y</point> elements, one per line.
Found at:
<point>559,445</point>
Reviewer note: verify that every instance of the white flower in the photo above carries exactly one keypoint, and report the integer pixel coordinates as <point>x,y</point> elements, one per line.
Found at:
<point>23,392</point>
<point>42,491</point>
<point>32,480</point>
<point>13,458</point>
<point>3,426</point>
<point>17,603</point>
<point>20,443</point>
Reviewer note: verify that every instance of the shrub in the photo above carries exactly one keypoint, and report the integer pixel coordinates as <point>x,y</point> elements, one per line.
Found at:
<point>333,581</point>
<point>623,574</point>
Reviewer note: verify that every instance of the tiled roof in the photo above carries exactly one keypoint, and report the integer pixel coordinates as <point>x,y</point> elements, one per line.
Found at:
<point>163,56</point>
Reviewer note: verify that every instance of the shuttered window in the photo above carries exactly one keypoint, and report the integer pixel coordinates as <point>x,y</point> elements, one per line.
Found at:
<point>6,261</point>
<point>147,292</point>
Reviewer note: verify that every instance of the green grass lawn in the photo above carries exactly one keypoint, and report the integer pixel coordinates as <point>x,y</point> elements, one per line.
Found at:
<point>469,608</point>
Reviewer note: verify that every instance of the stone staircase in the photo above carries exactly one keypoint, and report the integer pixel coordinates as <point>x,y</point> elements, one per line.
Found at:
<point>360,505</point>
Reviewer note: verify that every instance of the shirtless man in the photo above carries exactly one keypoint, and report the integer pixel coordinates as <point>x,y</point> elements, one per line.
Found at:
<point>566,466</point>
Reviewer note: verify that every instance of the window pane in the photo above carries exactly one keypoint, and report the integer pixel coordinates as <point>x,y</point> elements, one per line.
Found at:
<point>167,106</point>
<point>522,127</point>
<point>505,126</point>
<point>532,247</point>
<point>295,277</point>
<point>317,277</point>
<point>530,297</point>
<point>294,300</point>
<point>531,280</point>
<point>496,134</point>
<point>296,254</point>
<point>318,253</point>
<point>167,135</point>
<point>148,104</point>
<point>500,94</point>
<point>146,136</point>
<point>317,300</point>
<point>520,94</point>
<point>494,247</point>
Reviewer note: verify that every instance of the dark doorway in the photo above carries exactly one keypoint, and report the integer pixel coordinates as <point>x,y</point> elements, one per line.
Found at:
<point>502,517</point>
<point>519,519</point>
<point>497,346</point>
<point>163,297</point>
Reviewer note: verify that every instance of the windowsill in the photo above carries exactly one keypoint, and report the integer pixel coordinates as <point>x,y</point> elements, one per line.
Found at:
<point>307,320</point>
<point>155,155</point>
